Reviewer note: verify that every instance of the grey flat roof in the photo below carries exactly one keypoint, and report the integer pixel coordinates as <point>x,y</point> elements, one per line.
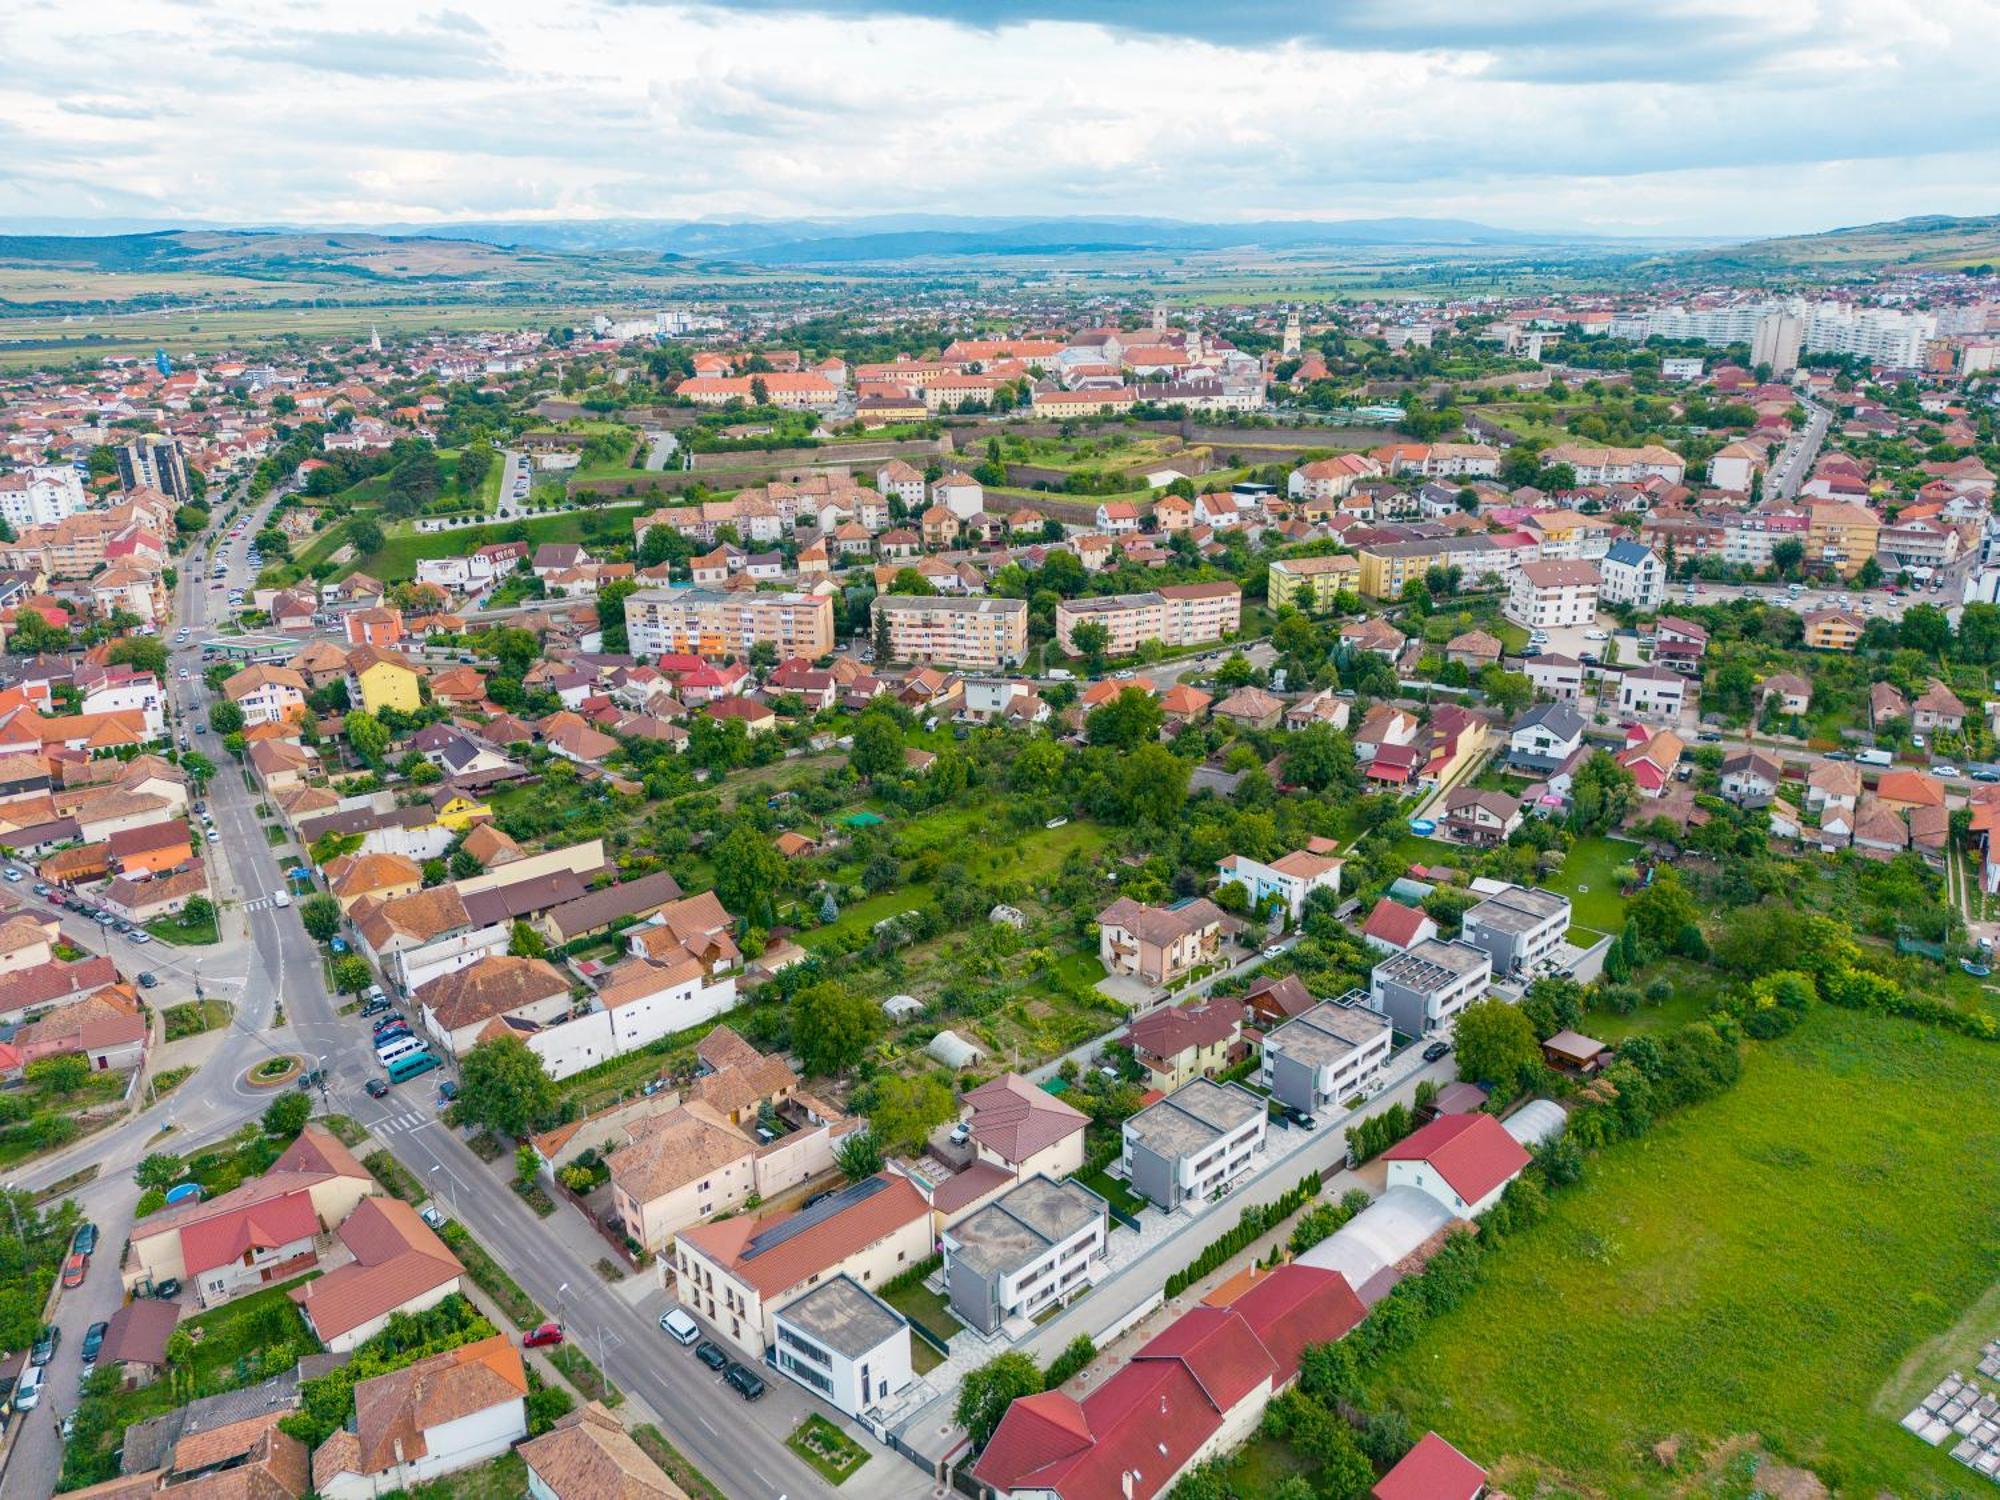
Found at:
<point>1194,1117</point>
<point>1017,1228</point>
<point>1326,1033</point>
<point>844,1316</point>
<point>1431,964</point>
<point>1519,909</point>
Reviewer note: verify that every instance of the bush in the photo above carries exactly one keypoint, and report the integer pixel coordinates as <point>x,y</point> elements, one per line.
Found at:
<point>1078,1354</point>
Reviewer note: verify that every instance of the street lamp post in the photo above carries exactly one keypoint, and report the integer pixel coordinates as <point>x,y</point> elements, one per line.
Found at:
<point>562,1293</point>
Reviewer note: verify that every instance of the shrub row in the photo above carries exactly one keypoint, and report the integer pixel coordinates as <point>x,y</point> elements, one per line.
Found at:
<point>1255,1221</point>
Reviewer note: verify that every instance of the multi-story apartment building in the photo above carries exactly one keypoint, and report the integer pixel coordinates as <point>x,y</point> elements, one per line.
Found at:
<point>1290,579</point>
<point>1188,614</point>
<point>154,462</point>
<point>40,496</point>
<point>1029,1250</point>
<point>716,623</point>
<point>1387,566</point>
<point>1518,928</point>
<point>1841,536</point>
<point>982,633</point>
<point>1595,465</point>
<point>801,390</point>
<point>1424,988</point>
<point>1546,595</point>
<point>1190,1144</point>
<point>1325,1055</point>
<point>1632,573</point>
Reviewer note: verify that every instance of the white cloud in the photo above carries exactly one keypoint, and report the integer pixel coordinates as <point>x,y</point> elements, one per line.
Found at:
<point>1701,116</point>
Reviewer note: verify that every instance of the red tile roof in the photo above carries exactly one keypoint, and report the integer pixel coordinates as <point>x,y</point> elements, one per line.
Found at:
<point>257,1226</point>
<point>1433,1470</point>
<point>1016,1119</point>
<point>1393,922</point>
<point>1472,1153</point>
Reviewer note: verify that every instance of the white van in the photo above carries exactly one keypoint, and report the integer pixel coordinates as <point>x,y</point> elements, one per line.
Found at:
<point>1874,758</point>
<point>403,1046</point>
<point>679,1327</point>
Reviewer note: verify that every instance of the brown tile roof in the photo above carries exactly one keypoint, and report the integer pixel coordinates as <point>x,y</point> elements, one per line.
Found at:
<point>490,987</point>
<point>670,1150</point>
<point>1013,1118</point>
<point>393,1411</point>
<point>396,1260</point>
<point>587,1455</point>
<point>421,915</point>
<point>491,847</point>
<point>359,874</point>
<point>263,1462</point>
<point>138,1333</point>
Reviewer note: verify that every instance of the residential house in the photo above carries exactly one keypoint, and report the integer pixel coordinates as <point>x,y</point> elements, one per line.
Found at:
<point>1289,879</point>
<point>1791,692</point>
<point>588,1455</point>
<point>1832,630</point>
<point>1159,944</point>
<point>1027,1252</point>
<point>1633,574</point>
<point>1937,707</point>
<point>1544,737</point>
<point>1652,692</point>
<point>1473,815</point>
<point>1464,1161</point>
<point>378,679</point>
<point>267,695</point>
<point>399,1266</point>
<point>1519,929</point>
<point>1191,1144</point>
<point>1179,1043</point>
<point>1325,1056</point>
<point>1433,1469</point>
<point>1023,1129</point>
<point>1651,755</point>
<point>441,1414</point>
<point>1395,928</point>
<point>1556,676</point>
<point>1549,595</point>
<point>1750,778</point>
<point>1252,708</point>
<point>458,1006</point>
<point>1425,987</point>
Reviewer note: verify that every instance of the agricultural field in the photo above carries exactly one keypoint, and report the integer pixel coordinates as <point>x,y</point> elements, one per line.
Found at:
<point>1781,1266</point>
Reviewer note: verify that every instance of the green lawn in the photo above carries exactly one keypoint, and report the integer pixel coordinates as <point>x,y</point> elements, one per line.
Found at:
<point>503,1478</point>
<point>927,1307</point>
<point>1695,991</point>
<point>1791,1259</point>
<point>831,1453</point>
<point>188,934</point>
<point>1114,1192</point>
<point>400,554</point>
<point>1587,880</point>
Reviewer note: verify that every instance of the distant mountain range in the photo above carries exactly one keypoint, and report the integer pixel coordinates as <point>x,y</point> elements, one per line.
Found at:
<point>888,238</point>
<point>1928,241</point>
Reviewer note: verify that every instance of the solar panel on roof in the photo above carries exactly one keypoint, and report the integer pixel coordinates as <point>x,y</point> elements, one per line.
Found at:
<point>812,1217</point>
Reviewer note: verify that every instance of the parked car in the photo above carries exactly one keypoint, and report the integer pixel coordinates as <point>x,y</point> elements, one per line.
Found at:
<point>85,1242</point>
<point>46,1344</point>
<point>710,1354</point>
<point>28,1394</point>
<point>1436,1050</point>
<point>745,1380</point>
<point>432,1216</point>
<point>679,1327</point>
<point>168,1289</point>
<point>447,1091</point>
<point>547,1335</point>
<point>148,979</point>
<point>375,1088</point>
<point>74,1270</point>
<point>93,1341</point>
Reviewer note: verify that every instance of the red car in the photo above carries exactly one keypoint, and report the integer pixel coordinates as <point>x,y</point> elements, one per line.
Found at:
<point>548,1333</point>
<point>75,1269</point>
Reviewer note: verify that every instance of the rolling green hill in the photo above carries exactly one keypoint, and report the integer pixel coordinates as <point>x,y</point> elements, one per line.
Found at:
<point>1934,241</point>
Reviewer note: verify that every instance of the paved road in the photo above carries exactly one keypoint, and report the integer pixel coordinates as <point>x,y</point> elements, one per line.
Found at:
<point>1796,461</point>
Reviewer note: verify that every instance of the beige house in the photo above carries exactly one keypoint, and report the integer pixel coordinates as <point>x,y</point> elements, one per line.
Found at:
<point>738,1273</point>
<point>1177,1044</point>
<point>1024,1129</point>
<point>1158,944</point>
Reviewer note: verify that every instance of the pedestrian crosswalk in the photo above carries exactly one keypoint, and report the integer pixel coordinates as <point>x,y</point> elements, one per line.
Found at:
<point>259,903</point>
<point>409,1119</point>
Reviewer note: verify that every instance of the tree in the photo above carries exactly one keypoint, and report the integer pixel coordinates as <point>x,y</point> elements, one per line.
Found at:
<point>1496,1044</point>
<point>180,1360</point>
<point>1037,768</point>
<point>986,1393</point>
<point>1925,628</point>
<point>364,534</point>
<point>878,745</point>
<point>832,1027</point>
<point>1602,793</point>
<point>1662,911</point>
<point>1155,785</point>
<point>62,1074</point>
<point>321,915</point>
<point>1788,557</point>
<point>1870,575</point>
<point>527,1164</point>
<point>906,1110</point>
<point>748,871</point>
<point>1130,720</point>
<point>611,599</point>
<point>160,1170</point>
<point>503,1086</point>
<point>142,653</point>
<point>858,1155</point>
<point>351,974</point>
<point>367,735</point>
<point>526,942</point>
<point>225,718</point>
<point>199,769</point>
<point>1090,637</point>
<point>286,1117</point>
<point>199,912</point>
<point>1319,757</point>
<point>910,581</point>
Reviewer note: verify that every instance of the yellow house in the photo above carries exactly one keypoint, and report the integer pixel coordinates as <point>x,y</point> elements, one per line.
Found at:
<point>1832,630</point>
<point>457,811</point>
<point>1842,536</point>
<point>379,679</point>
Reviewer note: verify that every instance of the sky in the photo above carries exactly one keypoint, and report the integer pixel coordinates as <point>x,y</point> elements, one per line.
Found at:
<point>1673,117</point>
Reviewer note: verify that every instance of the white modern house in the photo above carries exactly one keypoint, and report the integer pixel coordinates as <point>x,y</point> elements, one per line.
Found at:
<point>1551,594</point>
<point>1632,573</point>
<point>1290,878</point>
<point>1034,1247</point>
<point>845,1345</point>
<point>1325,1055</point>
<point>1424,988</point>
<point>1187,1146</point>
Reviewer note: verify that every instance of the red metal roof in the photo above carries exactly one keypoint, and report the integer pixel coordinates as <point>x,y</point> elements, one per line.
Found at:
<point>1472,1153</point>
